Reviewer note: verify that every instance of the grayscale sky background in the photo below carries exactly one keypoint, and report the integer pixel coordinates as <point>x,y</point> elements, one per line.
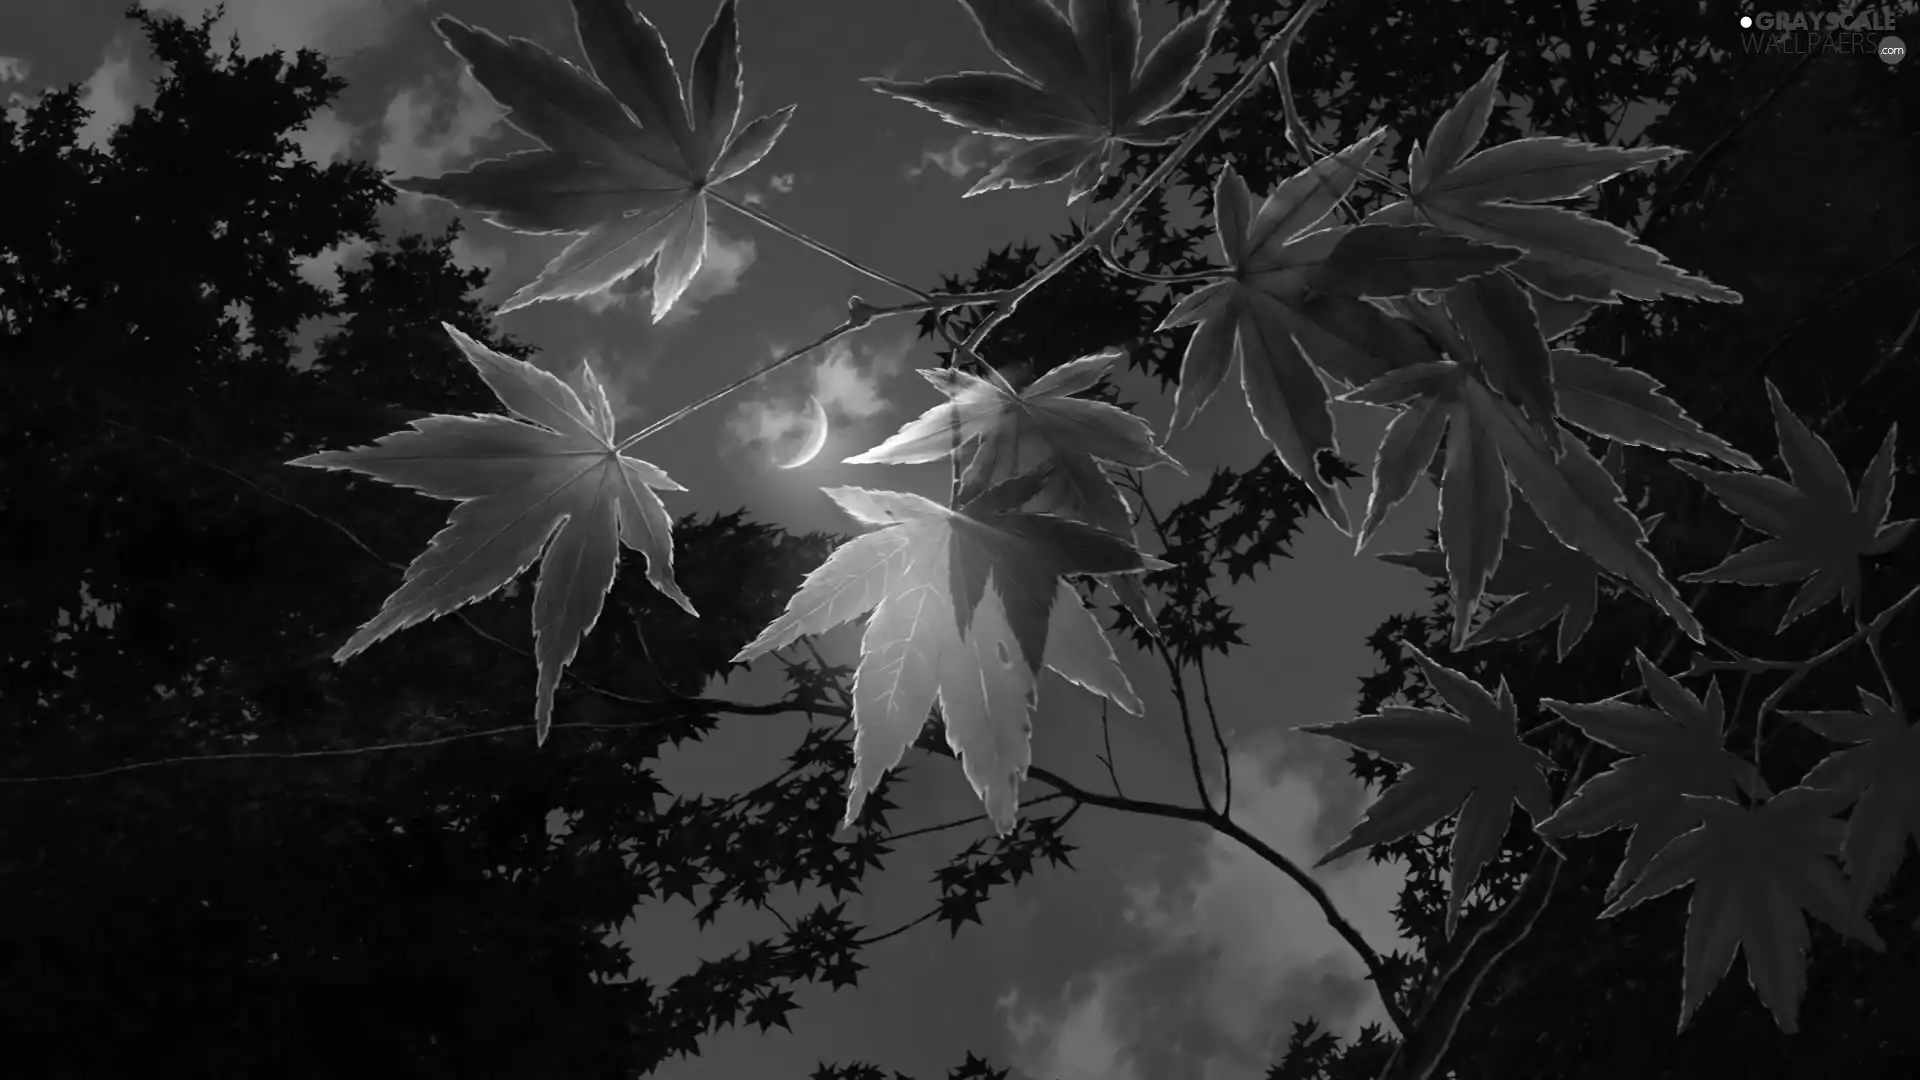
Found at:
<point>1169,953</point>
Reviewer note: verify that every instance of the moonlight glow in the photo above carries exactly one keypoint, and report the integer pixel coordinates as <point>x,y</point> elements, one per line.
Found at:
<point>816,436</point>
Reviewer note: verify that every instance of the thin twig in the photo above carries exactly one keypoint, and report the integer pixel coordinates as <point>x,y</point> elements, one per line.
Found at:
<point>1186,724</point>
<point>1219,742</point>
<point>1873,370</point>
<point>846,327</point>
<point>958,822</point>
<point>842,258</point>
<point>708,707</point>
<point>1328,909</point>
<point>1823,306</point>
<point>1701,163</point>
<point>1866,631</point>
<point>1106,739</point>
<point>862,943</point>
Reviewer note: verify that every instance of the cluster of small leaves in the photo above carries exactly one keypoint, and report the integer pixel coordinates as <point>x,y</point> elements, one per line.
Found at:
<point>1241,521</point>
<point>973,1068</point>
<point>743,987</point>
<point>1313,1054</point>
<point>970,877</point>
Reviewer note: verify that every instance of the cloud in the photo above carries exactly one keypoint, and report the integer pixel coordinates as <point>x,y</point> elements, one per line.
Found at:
<point>848,380</point>
<point>427,130</point>
<point>110,94</point>
<point>335,27</point>
<point>325,138</point>
<point>849,388</point>
<point>469,254</point>
<point>323,270</point>
<point>1231,952</point>
<point>969,152</point>
<point>1081,1039</point>
<point>14,69</point>
<point>777,184</point>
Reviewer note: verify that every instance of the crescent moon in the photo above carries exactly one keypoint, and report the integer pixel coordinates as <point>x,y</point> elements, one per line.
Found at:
<point>816,436</point>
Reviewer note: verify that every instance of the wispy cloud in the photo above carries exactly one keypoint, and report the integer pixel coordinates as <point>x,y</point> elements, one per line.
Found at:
<point>325,138</point>
<point>434,125</point>
<point>14,69</point>
<point>1081,1037</point>
<point>111,92</point>
<point>1232,951</point>
<point>968,153</point>
<point>777,184</point>
<point>850,380</point>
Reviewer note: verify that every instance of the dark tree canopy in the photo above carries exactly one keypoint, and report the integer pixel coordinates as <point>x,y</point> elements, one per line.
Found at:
<point>445,909</point>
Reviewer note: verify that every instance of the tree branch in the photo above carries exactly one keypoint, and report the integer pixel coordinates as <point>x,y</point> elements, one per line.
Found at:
<point>1698,168</point>
<point>1220,823</point>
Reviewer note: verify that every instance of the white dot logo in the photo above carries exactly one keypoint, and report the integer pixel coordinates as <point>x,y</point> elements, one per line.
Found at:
<point>1746,22</point>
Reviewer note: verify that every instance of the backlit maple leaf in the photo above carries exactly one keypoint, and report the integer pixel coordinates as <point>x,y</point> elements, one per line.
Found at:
<point>1676,751</point>
<point>628,154</point>
<point>1753,872</point>
<point>1503,195</point>
<point>1820,527</point>
<point>1080,91</point>
<point>1470,760</point>
<point>1002,435</point>
<point>1011,434</point>
<point>968,606</point>
<point>1883,771</point>
<point>547,478</point>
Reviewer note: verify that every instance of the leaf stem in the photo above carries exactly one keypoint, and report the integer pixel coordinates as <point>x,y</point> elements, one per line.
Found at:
<point>835,254</point>
<point>847,327</point>
<point>1865,632</point>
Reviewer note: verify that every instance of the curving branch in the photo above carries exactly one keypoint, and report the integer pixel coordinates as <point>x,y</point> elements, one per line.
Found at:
<point>1226,826</point>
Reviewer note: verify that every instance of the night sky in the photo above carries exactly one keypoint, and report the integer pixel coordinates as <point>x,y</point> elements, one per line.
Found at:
<point>1169,952</point>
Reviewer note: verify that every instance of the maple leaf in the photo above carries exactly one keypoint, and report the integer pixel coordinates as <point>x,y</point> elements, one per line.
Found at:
<point>1473,762</point>
<point>1079,89</point>
<point>547,479</point>
<point>1270,321</point>
<point>628,153</point>
<point>1820,527</point>
<point>1881,770</point>
<point>1676,751</point>
<point>967,607</point>
<point>1544,580</point>
<point>1753,873</point>
<point>1488,446</point>
<point>1012,433</point>
<point>1394,260</point>
<point>1503,195</point>
<point>1626,406</point>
